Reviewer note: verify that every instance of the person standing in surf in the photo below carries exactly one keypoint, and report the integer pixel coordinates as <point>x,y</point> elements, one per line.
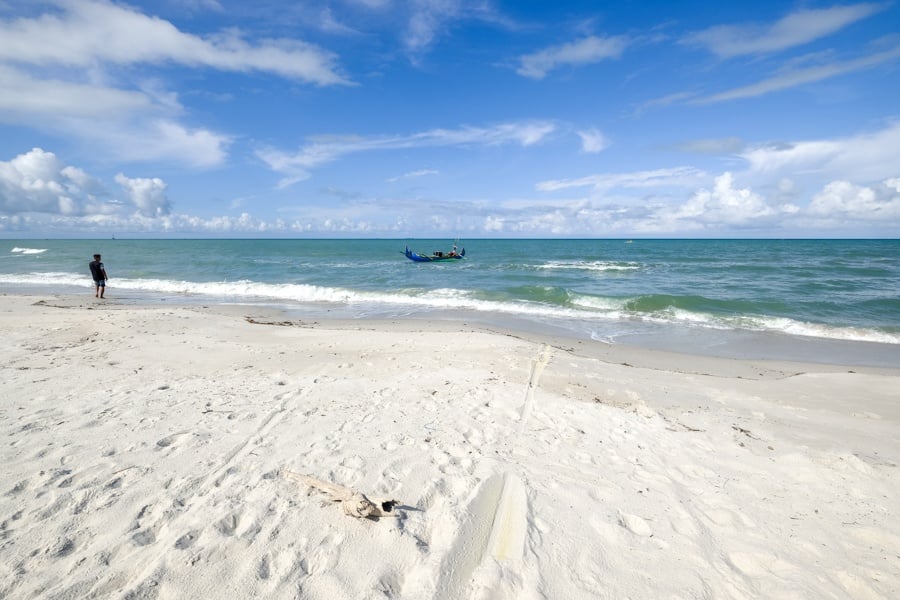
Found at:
<point>98,272</point>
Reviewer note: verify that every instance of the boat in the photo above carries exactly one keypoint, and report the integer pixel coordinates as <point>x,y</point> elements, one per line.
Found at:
<point>436,256</point>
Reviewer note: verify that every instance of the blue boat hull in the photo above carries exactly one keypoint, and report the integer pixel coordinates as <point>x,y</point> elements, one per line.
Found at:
<point>437,257</point>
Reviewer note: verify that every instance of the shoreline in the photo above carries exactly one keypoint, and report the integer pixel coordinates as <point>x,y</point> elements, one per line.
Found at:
<point>146,446</point>
<point>642,355</point>
<point>674,339</point>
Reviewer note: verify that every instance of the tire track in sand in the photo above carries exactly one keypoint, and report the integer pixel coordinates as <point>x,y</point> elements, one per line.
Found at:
<point>497,524</point>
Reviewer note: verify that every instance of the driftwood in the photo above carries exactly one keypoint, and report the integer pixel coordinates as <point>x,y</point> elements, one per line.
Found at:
<point>354,503</point>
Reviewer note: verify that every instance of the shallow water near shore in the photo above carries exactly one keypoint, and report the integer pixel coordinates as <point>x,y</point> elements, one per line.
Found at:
<point>812,300</point>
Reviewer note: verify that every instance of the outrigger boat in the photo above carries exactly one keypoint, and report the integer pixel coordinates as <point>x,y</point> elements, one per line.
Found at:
<point>437,256</point>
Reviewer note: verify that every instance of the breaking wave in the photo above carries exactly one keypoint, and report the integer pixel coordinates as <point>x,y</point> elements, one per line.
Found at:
<point>548,306</point>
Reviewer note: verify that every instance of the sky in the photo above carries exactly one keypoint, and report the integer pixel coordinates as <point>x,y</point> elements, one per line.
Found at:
<point>449,118</point>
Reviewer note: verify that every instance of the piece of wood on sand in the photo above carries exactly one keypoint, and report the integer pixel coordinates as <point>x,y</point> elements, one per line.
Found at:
<point>354,503</point>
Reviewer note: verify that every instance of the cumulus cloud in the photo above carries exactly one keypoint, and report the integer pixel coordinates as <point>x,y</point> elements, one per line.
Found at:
<point>325,149</point>
<point>842,200</point>
<point>37,181</point>
<point>677,203</point>
<point>588,50</point>
<point>726,204</point>
<point>148,195</point>
<point>797,28</point>
<point>721,208</point>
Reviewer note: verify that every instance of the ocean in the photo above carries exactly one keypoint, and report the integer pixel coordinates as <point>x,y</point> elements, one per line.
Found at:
<point>809,300</point>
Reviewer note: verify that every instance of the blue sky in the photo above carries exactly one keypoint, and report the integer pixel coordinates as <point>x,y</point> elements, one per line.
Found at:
<point>446,118</point>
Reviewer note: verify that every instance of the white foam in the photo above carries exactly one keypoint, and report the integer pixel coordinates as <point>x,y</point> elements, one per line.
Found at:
<point>590,265</point>
<point>18,250</point>
<point>597,302</point>
<point>586,309</point>
<point>49,278</point>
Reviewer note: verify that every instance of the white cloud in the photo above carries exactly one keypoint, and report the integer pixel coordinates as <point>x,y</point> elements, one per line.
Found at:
<point>429,19</point>
<point>413,174</point>
<point>38,182</point>
<point>119,123</point>
<point>212,5</point>
<point>328,23</point>
<point>148,195</point>
<point>722,209</point>
<point>27,98</point>
<point>89,32</point>
<point>797,77</point>
<point>727,145</point>
<point>593,141</point>
<point>726,205</point>
<point>142,124</point>
<point>678,176</point>
<point>324,149</point>
<point>795,29</point>
<point>373,4</point>
<point>589,50</point>
<point>864,157</point>
<point>842,201</point>
<point>164,140</point>
<point>667,100</point>
<point>426,21</point>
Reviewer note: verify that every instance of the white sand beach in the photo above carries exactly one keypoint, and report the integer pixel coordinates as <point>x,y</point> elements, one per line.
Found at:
<point>145,451</point>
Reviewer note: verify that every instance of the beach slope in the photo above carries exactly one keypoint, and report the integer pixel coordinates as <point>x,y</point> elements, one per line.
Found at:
<point>145,450</point>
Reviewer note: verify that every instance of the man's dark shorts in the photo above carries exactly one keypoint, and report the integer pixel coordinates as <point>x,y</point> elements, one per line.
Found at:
<point>100,283</point>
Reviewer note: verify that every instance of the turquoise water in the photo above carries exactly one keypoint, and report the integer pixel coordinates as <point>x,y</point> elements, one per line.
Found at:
<point>766,298</point>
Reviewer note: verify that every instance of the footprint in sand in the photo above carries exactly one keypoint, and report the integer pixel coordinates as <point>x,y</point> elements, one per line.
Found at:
<point>19,487</point>
<point>65,548</point>
<point>263,571</point>
<point>280,565</point>
<point>145,537</point>
<point>58,474</point>
<point>325,556</point>
<point>187,540</point>
<point>229,524</point>
<point>170,440</point>
<point>147,524</point>
<point>391,584</point>
<point>56,504</point>
<point>228,472</point>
